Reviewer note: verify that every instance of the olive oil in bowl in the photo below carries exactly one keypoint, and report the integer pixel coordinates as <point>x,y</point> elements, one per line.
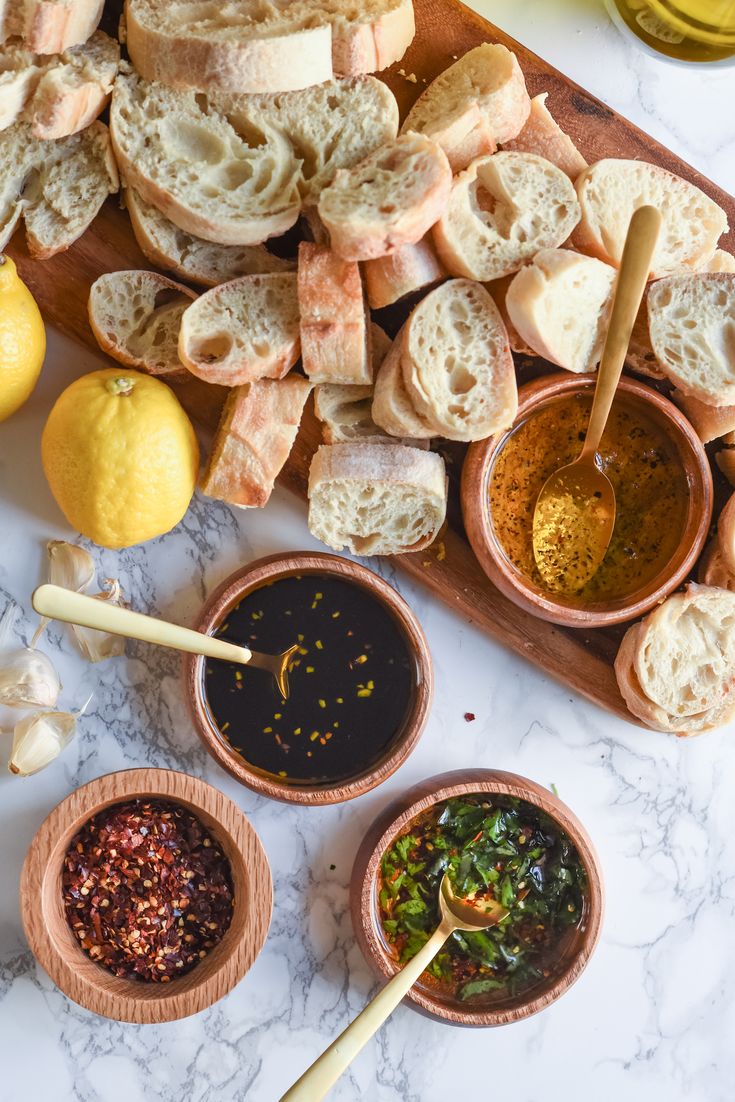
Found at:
<point>687,30</point>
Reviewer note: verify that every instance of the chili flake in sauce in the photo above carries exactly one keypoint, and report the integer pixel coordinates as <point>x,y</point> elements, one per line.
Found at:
<point>147,891</point>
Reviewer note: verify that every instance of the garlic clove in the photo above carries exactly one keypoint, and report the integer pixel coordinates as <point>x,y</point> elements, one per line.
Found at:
<point>27,676</point>
<point>70,566</point>
<point>39,739</point>
<point>98,645</point>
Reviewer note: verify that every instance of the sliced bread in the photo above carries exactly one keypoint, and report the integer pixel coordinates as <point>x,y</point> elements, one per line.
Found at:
<point>410,268</point>
<point>499,289</point>
<point>56,187</point>
<point>346,416</point>
<point>376,499</point>
<point>391,198</point>
<point>49,26</point>
<point>501,211</point>
<point>456,362</point>
<point>713,570</point>
<point>610,190</point>
<point>725,460</point>
<point>721,262</point>
<point>709,422</point>
<point>242,330</point>
<point>254,439</point>
<point>393,409</point>
<point>542,134</point>
<point>136,316</point>
<point>335,332</point>
<point>726,533</point>
<point>691,322</point>
<point>380,343</point>
<point>487,80</point>
<point>560,304</point>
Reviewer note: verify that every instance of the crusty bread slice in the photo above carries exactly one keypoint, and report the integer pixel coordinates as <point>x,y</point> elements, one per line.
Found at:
<point>346,416</point>
<point>136,316</point>
<point>380,343</point>
<point>335,331</point>
<point>560,305</point>
<point>691,321</point>
<point>709,422</point>
<point>542,134</point>
<point>376,499</point>
<point>501,211</point>
<point>640,356</point>
<point>410,268</point>
<point>391,198</point>
<point>251,47</point>
<point>487,80</point>
<point>712,569</point>
<point>254,439</point>
<point>242,330</point>
<point>49,26</point>
<point>190,257</point>
<point>610,190</point>
<point>56,187</point>
<point>726,533</point>
<point>498,288</point>
<point>456,362</point>
<point>393,409</point>
<point>725,460</point>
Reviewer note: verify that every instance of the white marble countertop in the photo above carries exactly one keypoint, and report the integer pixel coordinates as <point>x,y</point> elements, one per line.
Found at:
<point>653,1016</point>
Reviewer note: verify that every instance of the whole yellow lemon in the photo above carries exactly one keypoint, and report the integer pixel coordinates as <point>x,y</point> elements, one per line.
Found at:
<point>120,456</point>
<point>22,340</point>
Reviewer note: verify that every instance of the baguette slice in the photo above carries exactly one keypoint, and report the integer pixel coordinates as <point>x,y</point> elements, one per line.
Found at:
<point>49,26</point>
<point>410,268</point>
<point>346,416</point>
<point>487,80</point>
<point>136,316</point>
<point>691,321</point>
<point>725,460</point>
<point>709,422</point>
<point>501,212</point>
<point>202,262</point>
<point>391,198</point>
<point>560,305</point>
<point>376,499</point>
<point>713,570</point>
<point>254,439</point>
<point>380,343</point>
<point>56,187</point>
<point>543,135</point>
<point>393,409</point>
<point>726,533</point>
<point>335,345</point>
<point>499,290</point>
<point>456,362</point>
<point>242,330</point>
<point>264,48</point>
<point>610,190</point>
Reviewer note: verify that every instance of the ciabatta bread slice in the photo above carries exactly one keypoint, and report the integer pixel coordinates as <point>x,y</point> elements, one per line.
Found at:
<point>376,499</point>
<point>335,332</point>
<point>242,330</point>
<point>712,569</point>
<point>560,306</point>
<point>393,410</point>
<point>391,198</point>
<point>407,270</point>
<point>251,47</point>
<point>610,190</point>
<point>56,187</point>
<point>457,365</point>
<point>136,316</point>
<point>49,26</point>
<point>487,80</point>
<point>501,211</point>
<point>709,422</point>
<point>542,134</point>
<point>254,439</point>
<point>691,322</point>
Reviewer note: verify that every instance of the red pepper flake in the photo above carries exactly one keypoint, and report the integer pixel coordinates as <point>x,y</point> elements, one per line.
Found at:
<point>147,892</point>
<point>470,717</point>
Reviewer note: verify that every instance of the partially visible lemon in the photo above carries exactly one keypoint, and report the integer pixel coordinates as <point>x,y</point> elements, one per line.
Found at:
<point>22,340</point>
<point>120,456</point>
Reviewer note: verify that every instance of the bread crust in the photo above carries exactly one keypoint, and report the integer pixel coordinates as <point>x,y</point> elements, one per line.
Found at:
<point>368,47</point>
<point>542,134</point>
<point>709,422</point>
<point>410,268</point>
<point>393,409</point>
<point>713,570</point>
<point>335,334</point>
<point>51,26</point>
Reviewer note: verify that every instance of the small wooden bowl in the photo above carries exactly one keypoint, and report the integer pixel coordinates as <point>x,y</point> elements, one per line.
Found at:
<point>365,883</point>
<point>51,939</point>
<point>216,610</point>
<point>520,589</point>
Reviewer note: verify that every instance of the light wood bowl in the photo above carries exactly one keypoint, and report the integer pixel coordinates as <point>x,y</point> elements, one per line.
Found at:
<point>520,589</point>
<point>91,985</point>
<point>366,880</point>
<point>218,607</point>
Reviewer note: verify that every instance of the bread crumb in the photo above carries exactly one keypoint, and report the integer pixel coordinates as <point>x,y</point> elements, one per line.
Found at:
<point>401,72</point>
<point>412,78</point>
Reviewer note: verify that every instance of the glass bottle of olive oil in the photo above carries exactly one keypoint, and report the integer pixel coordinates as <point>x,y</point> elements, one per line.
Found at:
<point>691,30</point>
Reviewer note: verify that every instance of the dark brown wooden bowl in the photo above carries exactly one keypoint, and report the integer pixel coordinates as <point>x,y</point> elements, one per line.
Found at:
<point>216,610</point>
<point>364,888</point>
<point>53,943</point>
<point>520,589</point>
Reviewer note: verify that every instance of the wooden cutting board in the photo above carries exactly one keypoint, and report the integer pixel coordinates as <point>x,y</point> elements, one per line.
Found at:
<point>446,29</point>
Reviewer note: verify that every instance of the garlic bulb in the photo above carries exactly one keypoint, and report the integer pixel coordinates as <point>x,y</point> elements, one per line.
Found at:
<point>38,739</point>
<point>97,645</point>
<point>27,676</point>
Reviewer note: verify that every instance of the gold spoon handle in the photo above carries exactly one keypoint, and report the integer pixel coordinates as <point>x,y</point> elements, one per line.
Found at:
<point>326,1070</point>
<point>75,608</point>
<point>635,268</point>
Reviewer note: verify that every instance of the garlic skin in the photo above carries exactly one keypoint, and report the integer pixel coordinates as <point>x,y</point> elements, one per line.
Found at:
<point>70,566</point>
<point>27,676</point>
<point>39,739</point>
<point>98,645</point>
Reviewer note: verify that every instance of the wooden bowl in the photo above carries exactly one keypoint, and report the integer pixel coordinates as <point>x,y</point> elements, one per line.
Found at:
<point>393,822</point>
<point>91,985</point>
<point>520,589</point>
<point>216,610</point>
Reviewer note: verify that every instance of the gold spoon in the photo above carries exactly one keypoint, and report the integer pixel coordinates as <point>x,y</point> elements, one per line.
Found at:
<point>575,512</point>
<point>75,608</point>
<point>456,914</point>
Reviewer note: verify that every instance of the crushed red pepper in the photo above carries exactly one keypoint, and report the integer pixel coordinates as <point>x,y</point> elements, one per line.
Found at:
<point>146,890</point>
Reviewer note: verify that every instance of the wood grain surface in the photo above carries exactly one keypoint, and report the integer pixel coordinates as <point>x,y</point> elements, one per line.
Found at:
<point>92,986</point>
<point>446,29</point>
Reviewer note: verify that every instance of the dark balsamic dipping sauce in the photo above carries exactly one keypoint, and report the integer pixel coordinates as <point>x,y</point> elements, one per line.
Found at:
<point>351,684</point>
